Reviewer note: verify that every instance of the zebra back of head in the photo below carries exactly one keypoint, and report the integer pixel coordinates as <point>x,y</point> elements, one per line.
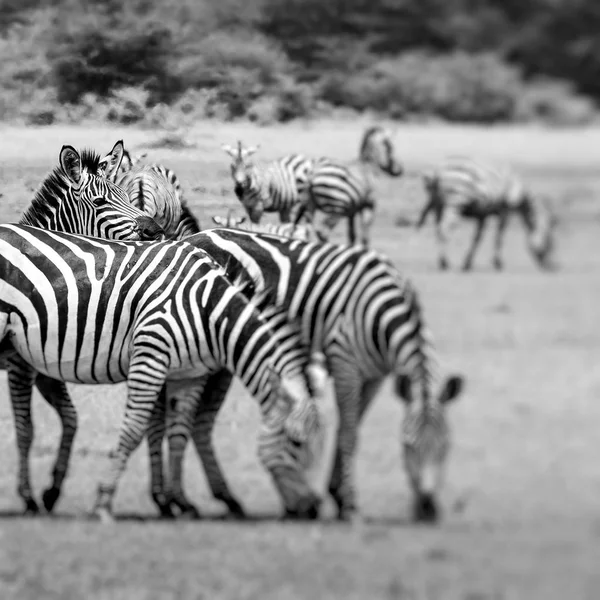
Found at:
<point>377,150</point>
<point>78,197</point>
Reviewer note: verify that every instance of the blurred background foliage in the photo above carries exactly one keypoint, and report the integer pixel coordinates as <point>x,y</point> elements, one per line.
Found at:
<point>168,63</point>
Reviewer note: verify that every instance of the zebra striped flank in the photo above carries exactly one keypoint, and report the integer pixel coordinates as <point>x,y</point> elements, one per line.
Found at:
<point>86,310</point>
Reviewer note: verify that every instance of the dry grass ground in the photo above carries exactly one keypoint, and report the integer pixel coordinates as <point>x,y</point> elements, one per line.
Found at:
<point>522,516</point>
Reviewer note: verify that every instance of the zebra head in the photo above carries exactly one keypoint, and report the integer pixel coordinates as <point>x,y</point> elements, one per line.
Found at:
<point>377,150</point>
<point>541,224</point>
<point>127,164</point>
<point>240,168</point>
<point>78,197</point>
<point>426,440</point>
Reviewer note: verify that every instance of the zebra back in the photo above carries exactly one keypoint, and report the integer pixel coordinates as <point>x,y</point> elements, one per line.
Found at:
<point>302,232</point>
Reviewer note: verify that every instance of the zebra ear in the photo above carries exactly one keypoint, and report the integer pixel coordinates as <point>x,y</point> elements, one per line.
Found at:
<point>231,151</point>
<point>246,152</point>
<point>218,220</point>
<point>70,161</point>
<point>112,161</point>
<point>404,388</point>
<point>452,388</point>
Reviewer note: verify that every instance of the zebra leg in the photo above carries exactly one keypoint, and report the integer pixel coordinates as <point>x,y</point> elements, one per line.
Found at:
<point>183,407</point>
<point>500,230</point>
<point>142,396</point>
<point>56,394</point>
<point>445,220</point>
<point>156,433</point>
<point>478,234</point>
<point>284,215</point>
<point>351,230</point>
<point>215,391</point>
<point>365,220</point>
<point>353,397</point>
<point>21,377</point>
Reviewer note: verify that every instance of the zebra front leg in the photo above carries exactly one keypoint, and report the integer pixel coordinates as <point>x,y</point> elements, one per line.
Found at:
<point>445,220</point>
<point>365,220</point>
<point>478,234</point>
<point>143,388</point>
<point>351,230</point>
<point>56,394</point>
<point>215,391</point>
<point>498,240</point>
<point>21,377</point>
<point>156,433</point>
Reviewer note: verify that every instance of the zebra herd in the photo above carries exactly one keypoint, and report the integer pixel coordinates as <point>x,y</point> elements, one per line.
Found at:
<point>108,278</point>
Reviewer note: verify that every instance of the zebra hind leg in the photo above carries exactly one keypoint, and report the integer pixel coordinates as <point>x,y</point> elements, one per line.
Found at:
<point>215,391</point>
<point>477,236</point>
<point>161,496</point>
<point>21,378</point>
<point>56,394</point>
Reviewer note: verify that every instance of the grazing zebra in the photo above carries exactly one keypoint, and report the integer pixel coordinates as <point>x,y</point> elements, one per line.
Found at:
<point>377,152</point>
<point>462,187</point>
<point>356,309</point>
<point>303,232</point>
<point>74,198</point>
<point>336,191</point>
<point>277,187</point>
<point>86,310</point>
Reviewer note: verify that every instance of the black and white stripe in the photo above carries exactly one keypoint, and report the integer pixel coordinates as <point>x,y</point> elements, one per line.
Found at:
<point>377,152</point>
<point>469,189</point>
<point>279,186</point>
<point>86,310</point>
<point>366,319</point>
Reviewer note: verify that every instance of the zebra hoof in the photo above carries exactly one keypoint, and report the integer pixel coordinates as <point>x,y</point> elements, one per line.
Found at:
<point>31,508</point>
<point>425,509</point>
<point>50,497</point>
<point>467,267</point>
<point>443,264</point>
<point>498,265</point>
<point>236,511</point>
<point>185,511</point>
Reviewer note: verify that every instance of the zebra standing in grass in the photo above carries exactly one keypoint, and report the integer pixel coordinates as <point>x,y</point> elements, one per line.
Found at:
<point>465,188</point>
<point>356,309</point>
<point>277,187</point>
<point>338,192</point>
<point>303,232</point>
<point>86,310</point>
<point>74,198</point>
<point>377,152</point>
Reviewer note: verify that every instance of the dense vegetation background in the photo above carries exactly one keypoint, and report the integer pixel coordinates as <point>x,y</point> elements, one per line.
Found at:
<point>173,61</point>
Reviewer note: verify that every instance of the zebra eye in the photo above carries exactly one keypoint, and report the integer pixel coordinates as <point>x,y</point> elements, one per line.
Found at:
<point>98,201</point>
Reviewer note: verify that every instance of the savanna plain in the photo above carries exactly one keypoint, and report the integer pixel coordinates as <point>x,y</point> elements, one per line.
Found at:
<point>521,502</point>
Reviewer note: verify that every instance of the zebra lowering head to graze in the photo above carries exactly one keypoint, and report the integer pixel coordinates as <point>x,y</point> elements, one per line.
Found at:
<point>86,310</point>
<point>469,189</point>
<point>337,192</point>
<point>278,187</point>
<point>303,232</point>
<point>367,321</point>
<point>377,151</point>
<point>75,198</point>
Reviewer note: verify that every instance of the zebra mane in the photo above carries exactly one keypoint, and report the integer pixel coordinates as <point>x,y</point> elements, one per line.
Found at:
<point>52,190</point>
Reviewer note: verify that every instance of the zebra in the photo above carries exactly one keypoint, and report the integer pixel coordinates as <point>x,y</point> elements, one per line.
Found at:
<point>75,197</point>
<point>367,321</point>
<point>336,191</point>
<point>277,187</point>
<point>302,232</point>
<point>87,310</point>
<point>467,188</point>
<point>377,152</point>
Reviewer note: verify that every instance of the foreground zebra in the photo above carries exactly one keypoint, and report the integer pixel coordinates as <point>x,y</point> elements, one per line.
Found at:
<point>86,310</point>
<point>462,187</point>
<point>377,152</point>
<point>367,320</point>
<point>74,198</point>
<point>303,232</point>
<point>277,187</point>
